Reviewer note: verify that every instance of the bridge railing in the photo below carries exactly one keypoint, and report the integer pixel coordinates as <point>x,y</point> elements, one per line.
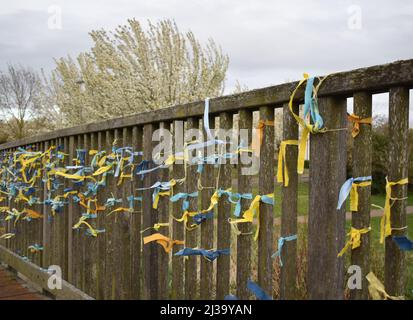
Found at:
<point>117,265</point>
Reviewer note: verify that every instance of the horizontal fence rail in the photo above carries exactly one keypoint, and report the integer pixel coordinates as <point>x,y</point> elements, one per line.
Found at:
<point>97,228</point>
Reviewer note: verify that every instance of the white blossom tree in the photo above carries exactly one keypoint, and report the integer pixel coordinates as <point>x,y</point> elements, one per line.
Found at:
<point>132,70</point>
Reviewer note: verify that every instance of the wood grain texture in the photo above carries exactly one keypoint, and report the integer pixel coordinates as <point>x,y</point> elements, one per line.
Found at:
<point>150,217</point>
<point>191,236</point>
<point>207,227</point>
<point>224,213</point>
<point>136,222</point>
<point>362,156</point>
<point>395,260</point>
<point>326,224</point>
<point>178,172</point>
<point>266,186</point>
<point>288,287</point>
<point>244,240</point>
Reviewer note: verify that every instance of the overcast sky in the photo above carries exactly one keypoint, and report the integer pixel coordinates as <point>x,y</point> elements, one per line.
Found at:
<point>268,41</point>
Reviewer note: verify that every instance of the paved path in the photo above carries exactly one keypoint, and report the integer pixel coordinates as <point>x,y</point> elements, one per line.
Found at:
<point>13,288</point>
<point>373,213</point>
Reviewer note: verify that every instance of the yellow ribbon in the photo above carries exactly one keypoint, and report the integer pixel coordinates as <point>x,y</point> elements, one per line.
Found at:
<point>7,236</point>
<point>249,214</point>
<point>385,222</point>
<point>377,291</point>
<point>156,226</point>
<point>164,241</point>
<point>307,128</point>
<point>354,196</point>
<point>159,194</point>
<point>282,160</point>
<point>355,239</point>
<point>186,214</point>
<point>81,221</point>
<point>356,123</point>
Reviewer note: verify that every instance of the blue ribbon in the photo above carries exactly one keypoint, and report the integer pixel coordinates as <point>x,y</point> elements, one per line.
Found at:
<point>311,105</point>
<point>210,255</point>
<point>235,198</point>
<point>346,188</point>
<point>184,196</point>
<point>201,217</point>
<point>281,241</point>
<point>259,293</point>
<point>403,243</point>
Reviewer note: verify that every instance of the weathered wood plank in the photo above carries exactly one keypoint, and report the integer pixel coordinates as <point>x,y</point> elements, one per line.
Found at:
<point>177,288</point>
<point>124,227</point>
<point>372,79</point>
<point>224,213</point>
<point>395,260</point>
<point>289,207</point>
<point>136,221</point>
<point>207,227</point>
<point>191,236</point>
<point>110,263</point>
<point>326,225</point>
<point>266,186</point>
<point>163,216</point>
<point>362,155</point>
<point>101,196</point>
<point>40,277</point>
<point>150,216</point>
<point>244,240</point>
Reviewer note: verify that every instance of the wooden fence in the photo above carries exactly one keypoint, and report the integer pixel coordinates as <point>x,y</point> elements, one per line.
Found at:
<point>116,264</point>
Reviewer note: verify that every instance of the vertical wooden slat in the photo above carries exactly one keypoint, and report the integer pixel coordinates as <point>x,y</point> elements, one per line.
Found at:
<point>289,207</point>
<point>266,186</point>
<point>244,240</point>
<point>63,216</point>
<point>191,236</point>
<point>117,229</point>
<point>110,263</point>
<point>163,217</point>
<point>136,221</point>
<point>177,288</point>
<point>224,213</point>
<point>326,225</point>
<point>124,226</point>
<point>89,242</point>
<point>362,154</point>
<point>70,208</point>
<point>78,239</point>
<point>102,193</point>
<point>395,261</point>
<point>207,227</point>
<point>46,219</point>
<point>150,216</point>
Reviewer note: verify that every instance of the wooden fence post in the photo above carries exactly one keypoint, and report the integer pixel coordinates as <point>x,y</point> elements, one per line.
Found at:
<point>110,263</point>
<point>178,172</point>
<point>191,236</point>
<point>266,186</point>
<point>150,216</point>
<point>207,226</point>
<point>395,262</point>
<point>136,221</point>
<point>224,213</point>
<point>163,217</point>
<point>289,207</point>
<point>326,224</point>
<point>244,240</point>
<point>362,168</point>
